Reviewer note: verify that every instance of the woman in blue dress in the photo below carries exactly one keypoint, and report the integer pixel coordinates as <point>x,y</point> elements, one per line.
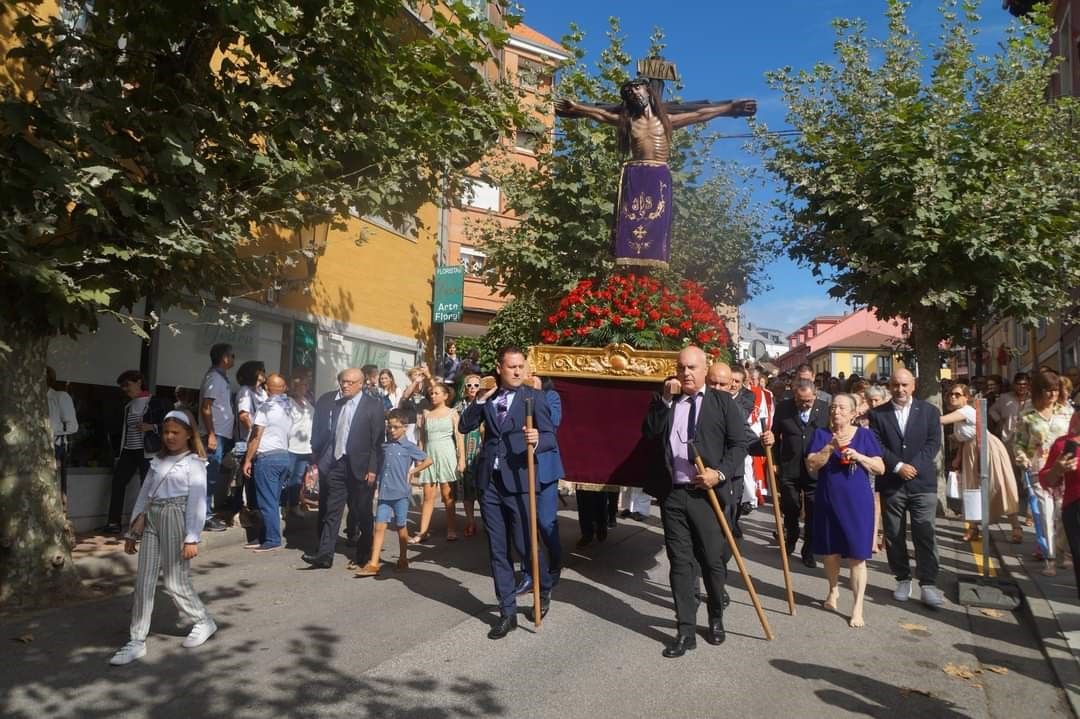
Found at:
<point>843,457</point>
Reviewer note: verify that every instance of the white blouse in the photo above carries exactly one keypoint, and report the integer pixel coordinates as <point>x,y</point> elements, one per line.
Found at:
<point>177,476</point>
<point>965,431</point>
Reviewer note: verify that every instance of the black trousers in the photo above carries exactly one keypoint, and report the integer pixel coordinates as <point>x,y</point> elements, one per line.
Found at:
<point>797,496</point>
<point>594,510</point>
<point>129,461</point>
<point>692,533</point>
<point>1070,520</point>
<point>337,488</point>
<point>922,507</point>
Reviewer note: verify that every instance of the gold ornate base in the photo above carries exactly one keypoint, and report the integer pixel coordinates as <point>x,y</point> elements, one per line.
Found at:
<point>616,361</point>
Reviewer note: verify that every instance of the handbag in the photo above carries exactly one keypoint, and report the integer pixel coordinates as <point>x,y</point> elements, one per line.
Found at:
<point>953,491</point>
<point>151,438</point>
<point>309,492</point>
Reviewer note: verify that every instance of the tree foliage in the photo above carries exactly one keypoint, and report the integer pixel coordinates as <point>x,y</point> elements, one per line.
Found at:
<point>147,149</point>
<point>567,201</point>
<point>161,134</point>
<point>942,192</point>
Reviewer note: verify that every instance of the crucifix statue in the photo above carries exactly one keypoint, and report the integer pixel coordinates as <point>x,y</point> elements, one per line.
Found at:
<point>645,123</point>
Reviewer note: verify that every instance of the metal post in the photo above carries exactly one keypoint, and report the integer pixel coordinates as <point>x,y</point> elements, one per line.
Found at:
<point>984,480</point>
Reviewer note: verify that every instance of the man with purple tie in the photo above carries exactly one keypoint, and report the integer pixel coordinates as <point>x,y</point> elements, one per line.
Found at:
<point>688,411</point>
<point>502,482</point>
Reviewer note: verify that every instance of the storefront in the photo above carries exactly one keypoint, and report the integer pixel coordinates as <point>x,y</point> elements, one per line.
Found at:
<point>178,358</point>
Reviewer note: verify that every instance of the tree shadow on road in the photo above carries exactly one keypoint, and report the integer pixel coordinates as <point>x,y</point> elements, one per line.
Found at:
<point>863,695</point>
<point>63,670</point>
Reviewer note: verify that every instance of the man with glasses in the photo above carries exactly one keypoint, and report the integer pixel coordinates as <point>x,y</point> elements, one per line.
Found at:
<point>216,412</point>
<point>1004,416</point>
<point>347,432</point>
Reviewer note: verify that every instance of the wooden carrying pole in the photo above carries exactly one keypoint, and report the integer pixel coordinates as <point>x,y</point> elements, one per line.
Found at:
<point>530,457</point>
<point>771,474</point>
<point>734,548</point>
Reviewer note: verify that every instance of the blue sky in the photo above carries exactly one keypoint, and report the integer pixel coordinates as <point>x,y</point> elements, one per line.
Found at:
<point>722,49</point>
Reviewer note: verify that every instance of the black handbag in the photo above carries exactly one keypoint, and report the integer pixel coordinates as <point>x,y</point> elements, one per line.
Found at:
<point>152,439</point>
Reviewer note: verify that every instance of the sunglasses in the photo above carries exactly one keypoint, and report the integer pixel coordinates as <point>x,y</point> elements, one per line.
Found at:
<point>471,384</point>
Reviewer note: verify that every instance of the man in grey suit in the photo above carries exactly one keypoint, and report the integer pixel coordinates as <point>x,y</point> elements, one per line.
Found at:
<point>909,431</point>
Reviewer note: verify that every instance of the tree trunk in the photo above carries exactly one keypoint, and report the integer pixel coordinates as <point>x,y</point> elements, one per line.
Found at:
<point>925,339</point>
<point>35,543</point>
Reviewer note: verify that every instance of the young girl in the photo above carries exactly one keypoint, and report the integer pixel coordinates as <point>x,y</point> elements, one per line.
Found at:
<point>472,442</point>
<point>174,500</point>
<point>445,446</point>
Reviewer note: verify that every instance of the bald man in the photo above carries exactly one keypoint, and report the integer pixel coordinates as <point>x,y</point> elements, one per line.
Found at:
<point>268,459</point>
<point>686,411</point>
<point>909,431</point>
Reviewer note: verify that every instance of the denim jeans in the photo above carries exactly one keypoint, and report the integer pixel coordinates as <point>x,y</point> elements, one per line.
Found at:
<point>291,494</point>
<point>213,470</point>
<point>270,472</point>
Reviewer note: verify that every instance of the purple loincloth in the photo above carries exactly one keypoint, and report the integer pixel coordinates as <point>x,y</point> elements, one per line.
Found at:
<point>644,214</point>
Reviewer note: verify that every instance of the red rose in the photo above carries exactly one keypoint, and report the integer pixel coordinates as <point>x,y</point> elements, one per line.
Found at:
<point>686,325</point>
<point>654,315</point>
<point>616,320</point>
<point>640,324</point>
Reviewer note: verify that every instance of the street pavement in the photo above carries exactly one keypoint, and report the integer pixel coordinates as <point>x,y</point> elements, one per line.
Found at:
<point>309,643</point>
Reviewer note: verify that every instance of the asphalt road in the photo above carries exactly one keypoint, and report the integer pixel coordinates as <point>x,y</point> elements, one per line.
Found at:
<point>297,642</point>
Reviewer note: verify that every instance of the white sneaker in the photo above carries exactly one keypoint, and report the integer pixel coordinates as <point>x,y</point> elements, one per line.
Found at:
<point>128,653</point>
<point>932,596</point>
<point>200,633</point>
<point>903,590</point>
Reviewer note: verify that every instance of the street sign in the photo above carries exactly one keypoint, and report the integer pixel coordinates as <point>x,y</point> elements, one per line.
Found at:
<point>449,294</point>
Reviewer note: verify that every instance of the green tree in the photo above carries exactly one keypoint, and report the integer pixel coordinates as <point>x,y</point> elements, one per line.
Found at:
<point>941,193</point>
<point>148,139</point>
<point>567,201</point>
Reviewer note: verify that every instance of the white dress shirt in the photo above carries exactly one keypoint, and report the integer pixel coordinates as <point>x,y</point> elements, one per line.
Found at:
<point>62,417</point>
<point>344,424</point>
<point>902,413</point>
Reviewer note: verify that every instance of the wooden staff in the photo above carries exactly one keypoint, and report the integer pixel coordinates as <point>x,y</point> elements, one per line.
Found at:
<point>530,458</point>
<point>770,473</point>
<point>734,547</point>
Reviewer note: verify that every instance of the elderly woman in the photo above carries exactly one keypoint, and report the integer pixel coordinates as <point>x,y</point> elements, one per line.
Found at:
<point>843,457</point>
<point>1003,495</point>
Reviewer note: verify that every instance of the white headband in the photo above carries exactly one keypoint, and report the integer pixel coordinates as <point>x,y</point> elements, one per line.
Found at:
<point>179,416</point>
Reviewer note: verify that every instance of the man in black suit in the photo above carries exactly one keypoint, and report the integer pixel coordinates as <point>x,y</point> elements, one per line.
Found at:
<point>502,480</point>
<point>796,420</point>
<point>688,411</point>
<point>347,433</point>
<point>909,431</point>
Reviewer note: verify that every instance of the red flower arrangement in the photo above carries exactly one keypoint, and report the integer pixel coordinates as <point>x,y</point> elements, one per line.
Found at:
<point>639,311</point>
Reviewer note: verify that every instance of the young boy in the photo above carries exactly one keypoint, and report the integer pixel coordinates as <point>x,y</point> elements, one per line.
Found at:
<point>394,489</point>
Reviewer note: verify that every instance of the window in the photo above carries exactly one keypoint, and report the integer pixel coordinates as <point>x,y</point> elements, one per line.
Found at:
<point>884,365</point>
<point>526,140</point>
<point>1021,336</point>
<point>531,75</point>
<point>1042,329</point>
<point>407,228</point>
<point>478,8</point>
<point>858,364</point>
<point>481,195</point>
<point>472,260</point>
<point>1065,50</point>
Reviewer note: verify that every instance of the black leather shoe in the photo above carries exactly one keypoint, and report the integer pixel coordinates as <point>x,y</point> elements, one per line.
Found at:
<point>625,514</point>
<point>584,541</point>
<point>682,644</point>
<point>525,585</point>
<point>506,624</point>
<point>545,605</point>
<point>601,533</point>
<point>725,600</point>
<point>715,633</point>
<point>214,525</point>
<point>318,561</point>
<point>639,517</point>
<point>808,560</point>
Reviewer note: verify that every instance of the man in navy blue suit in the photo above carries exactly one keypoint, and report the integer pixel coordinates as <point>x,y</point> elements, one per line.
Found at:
<point>502,482</point>
<point>909,431</point>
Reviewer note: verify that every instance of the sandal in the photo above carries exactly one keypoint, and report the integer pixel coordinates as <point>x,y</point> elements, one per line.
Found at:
<point>417,538</point>
<point>451,537</point>
<point>971,535</point>
<point>470,530</point>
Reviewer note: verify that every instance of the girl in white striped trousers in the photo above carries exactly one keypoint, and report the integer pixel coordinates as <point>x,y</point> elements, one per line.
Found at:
<point>174,500</point>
